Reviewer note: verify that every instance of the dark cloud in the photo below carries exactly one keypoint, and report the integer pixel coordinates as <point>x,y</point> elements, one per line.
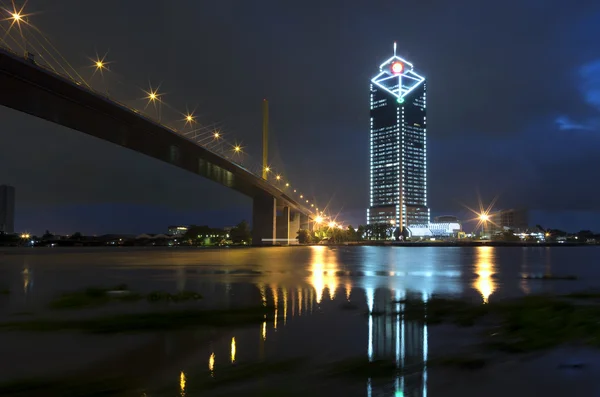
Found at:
<point>513,98</point>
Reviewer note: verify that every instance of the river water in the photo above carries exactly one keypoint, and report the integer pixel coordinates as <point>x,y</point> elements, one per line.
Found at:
<point>320,296</point>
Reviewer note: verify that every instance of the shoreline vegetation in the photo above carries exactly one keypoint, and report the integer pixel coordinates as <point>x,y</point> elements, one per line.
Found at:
<point>413,244</point>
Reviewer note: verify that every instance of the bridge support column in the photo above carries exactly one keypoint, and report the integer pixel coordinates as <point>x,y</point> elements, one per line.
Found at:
<point>283,224</point>
<point>294,227</point>
<point>264,219</point>
<point>305,222</point>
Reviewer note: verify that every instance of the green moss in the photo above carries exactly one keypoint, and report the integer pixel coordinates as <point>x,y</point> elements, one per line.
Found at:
<point>466,361</point>
<point>143,322</point>
<point>584,295</point>
<point>71,387</point>
<point>548,277</point>
<point>158,296</point>
<point>200,382</point>
<point>93,297</point>
<point>519,325</point>
<point>363,368</point>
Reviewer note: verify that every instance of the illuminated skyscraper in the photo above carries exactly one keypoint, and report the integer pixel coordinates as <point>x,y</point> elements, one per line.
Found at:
<point>398,145</point>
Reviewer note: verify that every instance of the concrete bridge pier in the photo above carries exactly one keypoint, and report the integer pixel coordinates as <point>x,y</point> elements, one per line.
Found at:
<point>264,216</point>
<point>282,224</point>
<point>271,221</point>
<point>305,222</point>
<point>294,227</point>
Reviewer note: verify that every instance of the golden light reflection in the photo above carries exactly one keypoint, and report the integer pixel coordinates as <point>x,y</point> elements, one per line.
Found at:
<point>348,290</point>
<point>263,294</point>
<point>211,364</point>
<point>300,302</point>
<point>264,330</point>
<point>26,279</point>
<point>182,383</point>
<point>285,305</point>
<point>323,267</point>
<point>484,268</point>
<point>275,293</point>
<point>233,350</point>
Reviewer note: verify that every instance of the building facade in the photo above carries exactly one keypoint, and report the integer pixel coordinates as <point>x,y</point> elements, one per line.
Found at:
<point>510,219</point>
<point>178,230</point>
<point>7,209</point>
<point>398,146</point>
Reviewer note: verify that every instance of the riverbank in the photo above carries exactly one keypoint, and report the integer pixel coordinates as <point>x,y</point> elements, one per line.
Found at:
<point>468,244</point>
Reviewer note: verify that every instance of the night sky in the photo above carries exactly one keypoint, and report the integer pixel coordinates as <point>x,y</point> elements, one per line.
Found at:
<point>513,106</point>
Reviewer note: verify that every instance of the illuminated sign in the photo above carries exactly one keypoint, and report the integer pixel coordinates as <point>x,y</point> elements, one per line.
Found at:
<point>397,67</point>
<point>397,77</point>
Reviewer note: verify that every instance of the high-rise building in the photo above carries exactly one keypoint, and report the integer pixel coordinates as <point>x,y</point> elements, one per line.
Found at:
<point>7,209</point>
<point>398,146</point>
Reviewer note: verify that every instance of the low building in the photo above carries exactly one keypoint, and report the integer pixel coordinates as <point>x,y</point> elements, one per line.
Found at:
<point>446,219</point>
<point>434,229</point>
<point>510,219</point>
<point>177,230</point>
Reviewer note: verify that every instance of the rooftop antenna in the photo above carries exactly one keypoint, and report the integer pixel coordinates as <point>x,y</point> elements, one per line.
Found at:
<point>394,48</point>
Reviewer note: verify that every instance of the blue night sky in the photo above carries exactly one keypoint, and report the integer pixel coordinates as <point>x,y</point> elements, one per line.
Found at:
<point>513,106</point>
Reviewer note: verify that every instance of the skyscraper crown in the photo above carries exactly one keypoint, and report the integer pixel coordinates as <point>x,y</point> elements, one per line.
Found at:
<point>396,76</point>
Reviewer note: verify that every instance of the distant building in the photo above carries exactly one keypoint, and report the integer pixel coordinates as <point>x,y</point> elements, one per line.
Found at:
<point>446,219</point>
<point>513,219</point>
<point>434,229</point>
<point>178,230</point>
<point>398,146</point>
<point>7,209</point>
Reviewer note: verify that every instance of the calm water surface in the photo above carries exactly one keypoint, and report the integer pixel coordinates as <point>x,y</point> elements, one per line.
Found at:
<point>311,290</point>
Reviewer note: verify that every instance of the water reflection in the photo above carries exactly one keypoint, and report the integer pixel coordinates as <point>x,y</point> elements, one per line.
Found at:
<point>310,281</point>
<point>27,279</point>
<point>324,268</point>
<point>211,364</point>
<point>391,336</point>
<point>484,268</point>
<point>233,350</point>
<point>182,383</point>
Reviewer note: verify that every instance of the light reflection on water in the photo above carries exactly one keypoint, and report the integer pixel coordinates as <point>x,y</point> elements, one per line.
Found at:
<point>484,267</point>
<point>306,287</point>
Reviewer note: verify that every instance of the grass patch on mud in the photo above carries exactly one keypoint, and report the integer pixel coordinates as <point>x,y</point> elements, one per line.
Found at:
<point>519,325</point>
<point>71,387</point>
<point>146,322</point>
<point>362,367</point>
<point>94,297</point>
<point>548,277</point>
<point>246,372</point>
